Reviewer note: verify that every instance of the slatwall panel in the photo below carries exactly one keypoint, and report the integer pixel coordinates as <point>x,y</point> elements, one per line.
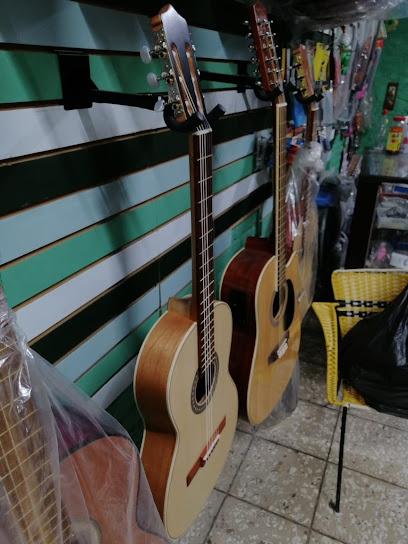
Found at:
<point>94,209</point>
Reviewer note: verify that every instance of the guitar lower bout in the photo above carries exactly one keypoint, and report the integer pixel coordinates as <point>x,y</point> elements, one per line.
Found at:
<point>189,424</point>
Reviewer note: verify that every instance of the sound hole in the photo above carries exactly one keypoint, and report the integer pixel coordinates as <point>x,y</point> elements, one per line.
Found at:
<point>283,302</point>
<point>204,386</point>
<point>290,305</point>
<point>278,303</point>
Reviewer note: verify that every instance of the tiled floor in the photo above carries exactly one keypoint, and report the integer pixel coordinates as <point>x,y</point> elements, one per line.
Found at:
<point>279,479</point>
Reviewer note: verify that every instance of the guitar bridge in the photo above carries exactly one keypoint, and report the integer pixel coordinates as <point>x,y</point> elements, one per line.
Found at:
<point>207,451</point>
<point>279,351</point>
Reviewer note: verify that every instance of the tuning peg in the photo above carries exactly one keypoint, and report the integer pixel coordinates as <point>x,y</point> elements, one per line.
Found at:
<point>248,36</point>
<point>254,60</point>
<point>245,23</point>
<point>159,106</point>
<point>146,54</point>
<point>153,80</point>
<point>251,47</point>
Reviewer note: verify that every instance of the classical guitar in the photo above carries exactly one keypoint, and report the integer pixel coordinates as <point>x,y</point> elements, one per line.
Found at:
<point>308,212</point>
<point>182,385</point>
<point>50,494</point>
<point>258,283</point>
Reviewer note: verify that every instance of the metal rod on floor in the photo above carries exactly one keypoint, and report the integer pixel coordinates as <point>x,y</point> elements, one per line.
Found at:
<point>341,455</point>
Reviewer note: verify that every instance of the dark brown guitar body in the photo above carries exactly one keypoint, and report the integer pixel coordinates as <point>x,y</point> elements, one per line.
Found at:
<point>238,287</point>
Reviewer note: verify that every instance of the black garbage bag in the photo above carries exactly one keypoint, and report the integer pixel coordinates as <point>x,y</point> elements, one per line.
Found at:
<point>373,358</point>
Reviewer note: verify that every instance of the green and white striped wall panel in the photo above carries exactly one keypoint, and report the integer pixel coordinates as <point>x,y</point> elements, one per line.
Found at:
<point>94,213</point>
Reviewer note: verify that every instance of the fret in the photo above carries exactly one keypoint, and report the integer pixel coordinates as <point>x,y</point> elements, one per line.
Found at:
<point>18,423</point>
<point>32,491</point>
<point>203,158</point>
<point>24,461</point>
<point>9,377</point>
<point>206,218</point>
<point>23,481</point>
<point>51,492</point>
<point>15,446</point>
<point>206,235</point>
<point>207,286</point>
<point>201,180</point>
<point>207,264</point>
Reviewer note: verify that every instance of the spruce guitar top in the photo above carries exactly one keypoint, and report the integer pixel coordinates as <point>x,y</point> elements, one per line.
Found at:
<point>182,385</point>
<point>258,283</point>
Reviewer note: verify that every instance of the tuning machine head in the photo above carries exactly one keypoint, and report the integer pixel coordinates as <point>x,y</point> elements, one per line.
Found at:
<point>154,81</point>
<point>159,51</point>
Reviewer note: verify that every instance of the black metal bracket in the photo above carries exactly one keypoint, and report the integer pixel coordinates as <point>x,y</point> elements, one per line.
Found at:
<point>264,95</point>
<point>295,91</point>
<point>242,80</point>
<point>79,91</point>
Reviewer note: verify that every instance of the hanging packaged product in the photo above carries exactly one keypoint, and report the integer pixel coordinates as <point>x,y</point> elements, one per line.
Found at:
<point>404,143</point>
<point>395,135</point>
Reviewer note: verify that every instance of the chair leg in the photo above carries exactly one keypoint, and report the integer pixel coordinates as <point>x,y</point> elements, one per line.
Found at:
<point>336,506</point>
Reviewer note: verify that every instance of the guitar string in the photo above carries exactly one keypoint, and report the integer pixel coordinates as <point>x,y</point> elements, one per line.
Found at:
<point>4,456</point>
<point>23,481</point>
<point>207,312</point>
<point>203,338</point>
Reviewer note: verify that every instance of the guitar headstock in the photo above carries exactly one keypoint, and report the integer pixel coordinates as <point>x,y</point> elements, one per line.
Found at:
<point>180,73</point>
<point>265,48</point>
<point>303,73</point>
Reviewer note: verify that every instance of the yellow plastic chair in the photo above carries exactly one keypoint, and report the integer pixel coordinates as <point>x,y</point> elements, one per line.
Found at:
<point>357,293</point>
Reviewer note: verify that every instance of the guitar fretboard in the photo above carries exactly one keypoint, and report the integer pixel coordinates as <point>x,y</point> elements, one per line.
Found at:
<point>280,192</point>
<point>33,512</point>
<point>202,242</point>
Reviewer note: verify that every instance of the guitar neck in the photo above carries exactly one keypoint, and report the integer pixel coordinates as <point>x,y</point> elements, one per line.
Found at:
<point>280,189</point>
<point>35,513</point>
<point>311,126</point>
<point>202,243</point>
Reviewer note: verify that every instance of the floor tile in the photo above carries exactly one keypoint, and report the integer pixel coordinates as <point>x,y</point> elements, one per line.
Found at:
<point>374,449</point>
<point>236,454</point>
<point>371,511</point>
<point>199,530</point>
<point>241,523</point>
<point>312,385</point>
<point>320,539</point>
<point>280,480</point>
<point>379,417</point>
<point>309,429</point>
<point>312,345</point>
<point>245,426</point>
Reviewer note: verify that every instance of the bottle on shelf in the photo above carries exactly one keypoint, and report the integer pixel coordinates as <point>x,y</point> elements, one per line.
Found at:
<point>404,144</point>
<point>395,135</point>
<point>381,138</point>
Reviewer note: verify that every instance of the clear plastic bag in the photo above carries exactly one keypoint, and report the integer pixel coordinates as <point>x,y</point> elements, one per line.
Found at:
<point>302,189</point>
<point>69,472</point>
<point>322,14</point>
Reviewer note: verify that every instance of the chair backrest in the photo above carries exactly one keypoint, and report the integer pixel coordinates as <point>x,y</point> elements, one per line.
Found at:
<point>361,292</point>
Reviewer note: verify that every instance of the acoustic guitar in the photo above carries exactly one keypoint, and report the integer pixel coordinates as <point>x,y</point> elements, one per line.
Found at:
<point>258,283</point>
<point>40,500</point>
<point>308,213</point>
<point>182,385</point>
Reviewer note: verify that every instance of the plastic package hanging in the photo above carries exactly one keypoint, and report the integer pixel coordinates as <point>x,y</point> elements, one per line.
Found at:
<point>323,14</point>
<point>69,472</point>
<point>302,189</point>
